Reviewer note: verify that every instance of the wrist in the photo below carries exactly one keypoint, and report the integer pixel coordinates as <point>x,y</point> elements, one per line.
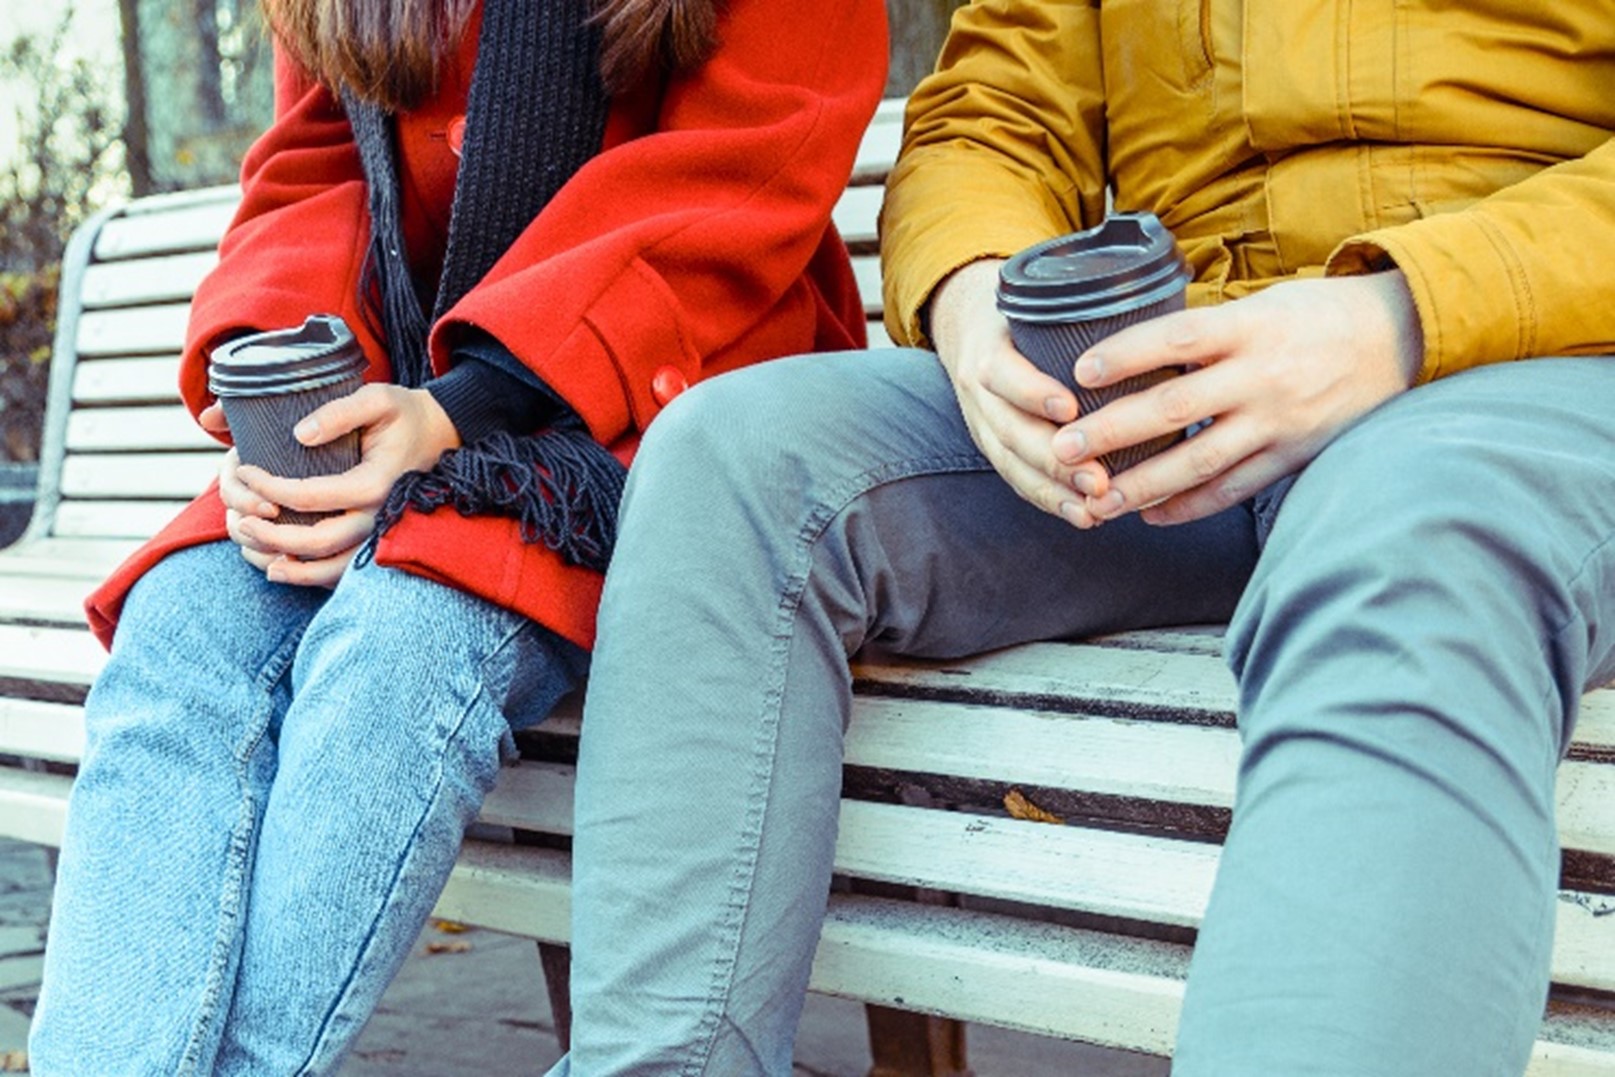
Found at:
<point>439,434</point>
<point>959,302</point>
<point>1404,331</point>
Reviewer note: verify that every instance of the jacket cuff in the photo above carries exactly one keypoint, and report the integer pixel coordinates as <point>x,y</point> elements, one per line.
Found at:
<point>1467,285</point>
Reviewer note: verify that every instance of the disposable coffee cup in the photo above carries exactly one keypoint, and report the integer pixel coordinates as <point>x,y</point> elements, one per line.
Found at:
<point>268,382</point>
<point>1064,295</point>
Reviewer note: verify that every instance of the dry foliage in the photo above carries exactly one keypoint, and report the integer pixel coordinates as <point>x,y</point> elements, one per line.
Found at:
<point>1019,807</point>
<point>27,319</point>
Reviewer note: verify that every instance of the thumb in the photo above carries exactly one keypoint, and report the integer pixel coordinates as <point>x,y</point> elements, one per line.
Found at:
<point>364,407</point>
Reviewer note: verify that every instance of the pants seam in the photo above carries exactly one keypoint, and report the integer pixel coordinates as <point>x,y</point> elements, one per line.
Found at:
<point>232,912</point>
<point>817,522</point>
<point>325,1030</point>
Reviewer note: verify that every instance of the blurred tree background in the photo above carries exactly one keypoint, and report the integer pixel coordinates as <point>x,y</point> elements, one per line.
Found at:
<point>193,89</point>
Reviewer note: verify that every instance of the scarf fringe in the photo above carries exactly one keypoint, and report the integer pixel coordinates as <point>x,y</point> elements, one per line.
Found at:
<point>560,485</point>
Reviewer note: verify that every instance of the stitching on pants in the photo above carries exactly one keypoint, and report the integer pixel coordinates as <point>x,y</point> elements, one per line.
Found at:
<point>238,866</point>
<point>732,924</point>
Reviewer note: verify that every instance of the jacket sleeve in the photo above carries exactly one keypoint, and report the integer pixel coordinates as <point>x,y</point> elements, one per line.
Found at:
<point>1003,148</point>
<point>1523,272</point>
<point>662,250</point>
<point>298,240</point>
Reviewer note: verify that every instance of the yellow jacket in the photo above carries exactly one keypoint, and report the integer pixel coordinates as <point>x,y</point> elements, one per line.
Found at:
<point>1469,143</point>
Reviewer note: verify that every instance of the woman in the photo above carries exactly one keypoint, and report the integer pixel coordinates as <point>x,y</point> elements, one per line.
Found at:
<point>542,221</point>
<point>1411,623</point>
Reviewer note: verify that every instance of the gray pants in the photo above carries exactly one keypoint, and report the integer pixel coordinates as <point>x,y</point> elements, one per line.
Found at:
<point>1410,645</point>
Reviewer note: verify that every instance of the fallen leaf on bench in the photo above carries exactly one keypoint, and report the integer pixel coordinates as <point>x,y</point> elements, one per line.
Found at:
<point>450,927</point>
<point>1020,808</point>
<point>14,1061</point>
<point>448,947</point>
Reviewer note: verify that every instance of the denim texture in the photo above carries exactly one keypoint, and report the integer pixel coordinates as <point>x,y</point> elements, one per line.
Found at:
<point>1411,644</point>
<point>275,784</point>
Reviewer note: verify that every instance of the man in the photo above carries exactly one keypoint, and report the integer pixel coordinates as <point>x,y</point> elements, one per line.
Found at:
<point>1404,502</point>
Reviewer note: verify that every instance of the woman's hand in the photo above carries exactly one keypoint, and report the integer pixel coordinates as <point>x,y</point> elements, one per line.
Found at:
<point>399,430</point>
<point>1011,408</point>
<point>1280,374</point>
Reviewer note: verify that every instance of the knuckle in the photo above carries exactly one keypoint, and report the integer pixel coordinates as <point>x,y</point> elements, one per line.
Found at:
<point>1230,492</point>
<point>1178,404</point>
<point>1102,430</point>
<point>1205,461</point>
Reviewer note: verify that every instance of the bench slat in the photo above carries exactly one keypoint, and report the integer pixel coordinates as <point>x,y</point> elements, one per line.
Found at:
<point>64,656</point>
<point>135,429</point>
<point>127,381</point>
<point>878,337</point>
<point>56,599</point>
<point>878,147</point>
<point>196,227</point>
<point>169,279</point>
<point>517,890</point>
<point>1155,880</point>
<point>1148,879</point>
<point>1075,752</point>
<point>1595,726</point>
<point>113,519</point>
<point>866,270</point>
<point>87,558</point>
<point>53,731</point>
<point>1105,679</point>
<point>857,212</point>
<point>153,330</point>
<point>1109,756</point>
<point>33,807</point>
<point>147,475</point>
<point>1107,989</point>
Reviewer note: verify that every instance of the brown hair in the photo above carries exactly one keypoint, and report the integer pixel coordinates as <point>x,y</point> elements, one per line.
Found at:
<point>389,51</point>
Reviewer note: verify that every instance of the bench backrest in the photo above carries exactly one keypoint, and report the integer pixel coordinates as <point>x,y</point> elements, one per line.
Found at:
<point>121,454</point>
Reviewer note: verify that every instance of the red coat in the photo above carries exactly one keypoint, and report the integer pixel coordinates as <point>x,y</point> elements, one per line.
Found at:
<point>697,241</point>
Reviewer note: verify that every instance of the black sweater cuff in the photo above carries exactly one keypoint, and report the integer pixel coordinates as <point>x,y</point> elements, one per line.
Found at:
<point>483,393</point>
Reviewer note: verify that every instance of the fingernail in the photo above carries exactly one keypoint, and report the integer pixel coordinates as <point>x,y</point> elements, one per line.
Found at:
<point>306,429</point>
<point>1109,505</point>
<point>1073,514</point>
<point>1055,408</point>
<point>1090,368</point>
<point>276,572</point>
<point>1083,483</point>
<point>1070,445</point>
<point>267,508</point>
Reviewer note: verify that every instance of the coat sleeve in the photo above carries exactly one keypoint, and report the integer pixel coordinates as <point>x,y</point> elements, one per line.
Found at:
<point>1523,272</point>
<point>298,240</point>
<point>664,249</point>
<point>1003,147</point>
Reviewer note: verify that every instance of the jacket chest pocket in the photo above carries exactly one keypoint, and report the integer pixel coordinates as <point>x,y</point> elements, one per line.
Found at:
<point>1317,71</point>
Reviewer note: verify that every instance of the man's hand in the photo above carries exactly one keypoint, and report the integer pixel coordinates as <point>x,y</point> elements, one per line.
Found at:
<point>1011,408</point>
<point>1279,374</point>
<point>399,430</point>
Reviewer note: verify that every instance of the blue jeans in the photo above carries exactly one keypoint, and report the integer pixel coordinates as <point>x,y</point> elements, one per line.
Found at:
<point>1411,645</point>
<point>275,784</point>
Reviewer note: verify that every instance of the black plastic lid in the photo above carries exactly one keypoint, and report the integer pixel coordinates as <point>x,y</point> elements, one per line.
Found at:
<point>1129,261</point>
<point>317,353</point>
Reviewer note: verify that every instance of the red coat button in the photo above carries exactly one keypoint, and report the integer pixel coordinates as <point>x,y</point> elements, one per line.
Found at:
<point>456,134</point>
<point>667,383</point>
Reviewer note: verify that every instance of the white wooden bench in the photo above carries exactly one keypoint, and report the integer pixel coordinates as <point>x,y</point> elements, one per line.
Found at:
<point>1080,931</point>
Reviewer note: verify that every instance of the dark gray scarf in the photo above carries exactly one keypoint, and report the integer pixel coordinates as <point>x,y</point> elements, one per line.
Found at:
<point>537,114</point>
